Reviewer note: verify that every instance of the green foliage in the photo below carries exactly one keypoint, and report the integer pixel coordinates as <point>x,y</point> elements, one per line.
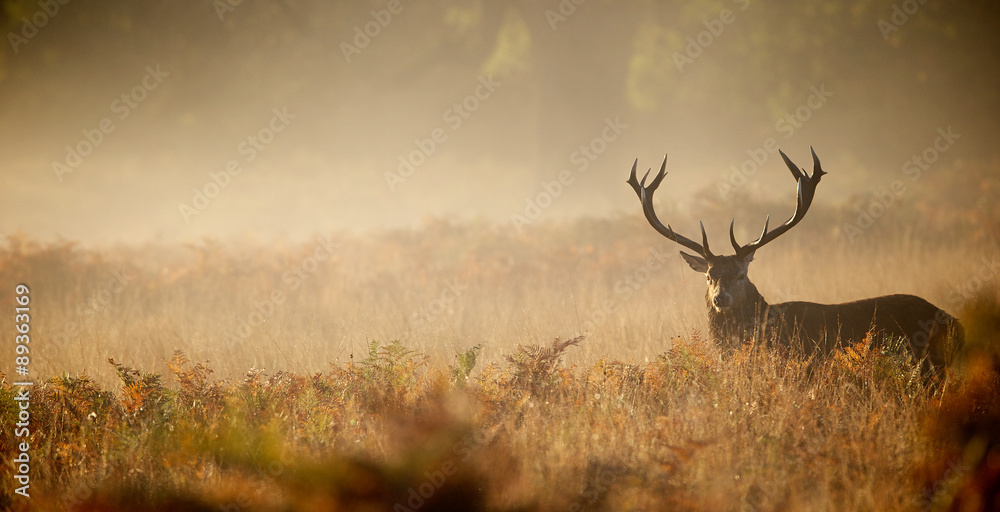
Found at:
<point>387,376</point>
<point>390,364</point>
<point>464,363</point>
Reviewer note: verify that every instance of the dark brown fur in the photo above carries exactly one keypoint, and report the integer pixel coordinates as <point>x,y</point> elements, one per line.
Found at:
<point>819,329</point>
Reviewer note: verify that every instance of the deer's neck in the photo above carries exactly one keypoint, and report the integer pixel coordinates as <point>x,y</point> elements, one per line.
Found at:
<point>741,322</point>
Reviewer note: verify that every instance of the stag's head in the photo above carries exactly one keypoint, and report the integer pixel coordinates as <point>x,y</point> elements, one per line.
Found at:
<point>728,285</point>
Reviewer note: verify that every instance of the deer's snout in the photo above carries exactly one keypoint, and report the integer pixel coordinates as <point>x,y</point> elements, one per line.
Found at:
<point>722,301</point>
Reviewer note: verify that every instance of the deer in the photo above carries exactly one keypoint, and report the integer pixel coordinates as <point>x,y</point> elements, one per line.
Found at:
<point>738,313</point>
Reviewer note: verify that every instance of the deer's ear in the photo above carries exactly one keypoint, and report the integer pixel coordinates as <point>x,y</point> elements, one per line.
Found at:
<point>698,263</point>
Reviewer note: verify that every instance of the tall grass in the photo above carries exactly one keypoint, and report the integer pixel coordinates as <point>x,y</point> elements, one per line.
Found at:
<point>416,370</point>
<point>440,290</point>
<point>389,432</point>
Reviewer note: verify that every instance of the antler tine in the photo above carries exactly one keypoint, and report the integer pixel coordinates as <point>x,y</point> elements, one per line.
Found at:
<point>796,172</point>
<point>817,168</point>
<point>764,232</point>
<point>817,173</point>
<point>645,193</point>
<point>742,250</point>
<point>732,236</point>
<point>633,181</point>
<point>805,190</point>
<point>662,173</point>
<point>704,241</point>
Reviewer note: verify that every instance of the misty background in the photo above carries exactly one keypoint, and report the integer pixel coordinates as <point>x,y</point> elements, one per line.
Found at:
<point>486,101</point>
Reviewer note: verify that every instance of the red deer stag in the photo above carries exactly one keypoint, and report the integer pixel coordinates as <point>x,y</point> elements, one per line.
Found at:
<point>738,313</point>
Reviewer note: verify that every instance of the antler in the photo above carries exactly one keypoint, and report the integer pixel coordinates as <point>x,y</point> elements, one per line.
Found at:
<point>803,198</point>
<point>646,198</point>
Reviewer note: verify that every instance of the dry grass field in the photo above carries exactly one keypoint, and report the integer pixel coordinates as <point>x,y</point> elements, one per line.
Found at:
<point>382,256</point>
<point>474,367</point>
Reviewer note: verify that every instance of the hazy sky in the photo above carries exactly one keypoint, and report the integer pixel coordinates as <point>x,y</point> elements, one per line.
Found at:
<point>159,120</point>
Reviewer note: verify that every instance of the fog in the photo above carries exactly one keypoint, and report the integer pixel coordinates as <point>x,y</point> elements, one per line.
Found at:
<point>157,120</point>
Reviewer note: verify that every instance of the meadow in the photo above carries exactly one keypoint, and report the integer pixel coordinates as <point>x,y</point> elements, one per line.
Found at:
<point>474,366</point>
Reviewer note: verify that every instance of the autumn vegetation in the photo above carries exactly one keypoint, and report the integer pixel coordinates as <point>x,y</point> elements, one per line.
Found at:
<point>470,366</point>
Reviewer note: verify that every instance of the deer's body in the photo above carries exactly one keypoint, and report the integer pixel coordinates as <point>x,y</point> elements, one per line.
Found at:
<point>738,313</point>
<point>818,329</point>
